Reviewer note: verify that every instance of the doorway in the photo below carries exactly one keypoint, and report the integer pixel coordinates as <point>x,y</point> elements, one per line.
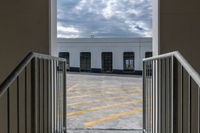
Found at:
<point>107,63</point>
<point>65,55</point>
<point>85,61</point>
<point>129,59</point>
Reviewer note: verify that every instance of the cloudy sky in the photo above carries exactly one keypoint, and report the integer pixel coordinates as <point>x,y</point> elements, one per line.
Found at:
<point>104,18</point>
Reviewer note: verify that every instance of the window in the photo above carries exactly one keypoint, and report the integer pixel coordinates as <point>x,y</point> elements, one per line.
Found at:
<point>107,62</point>
<point>66,56</point>
<point>85,61</point>
<point>148,54</point>
<point>129,61</point>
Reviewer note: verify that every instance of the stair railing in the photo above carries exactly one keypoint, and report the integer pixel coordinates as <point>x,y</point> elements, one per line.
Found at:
<point>171,94</point>
<point>33,97</point>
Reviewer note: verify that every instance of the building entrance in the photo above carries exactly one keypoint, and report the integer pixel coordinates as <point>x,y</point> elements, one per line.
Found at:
<point>65,55</point>
<point>129,61</point>
<point>107,62</point>
<point>85,61</point>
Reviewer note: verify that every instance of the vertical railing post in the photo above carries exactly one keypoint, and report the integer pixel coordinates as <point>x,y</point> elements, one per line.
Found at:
<point>34,99</point>
<point>144,100</point>
<point>198,109</point>
<point>175,94</point>
<point>50,95</point>
<point>64,99</point>
<point>156,95</point>
<point>172,94</point>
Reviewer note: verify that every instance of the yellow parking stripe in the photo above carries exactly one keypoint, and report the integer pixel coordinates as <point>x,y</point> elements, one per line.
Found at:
<point>113,116</point>
<point>89,95</point>
<point>106,88</point>
<point>99,100</point>
<point>102,107</point>
<point>72,87</point>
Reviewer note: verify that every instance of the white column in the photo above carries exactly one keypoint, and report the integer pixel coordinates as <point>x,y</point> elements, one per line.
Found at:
<point>53,27</point>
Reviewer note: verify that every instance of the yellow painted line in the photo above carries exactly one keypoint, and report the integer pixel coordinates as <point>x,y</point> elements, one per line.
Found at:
<point>106,88</point>
<point>99,100</point>
<point>89,95</point>
<point>102,107</point>
<point>103,90</point>
<point>113,116</point>
<point>72,87</point>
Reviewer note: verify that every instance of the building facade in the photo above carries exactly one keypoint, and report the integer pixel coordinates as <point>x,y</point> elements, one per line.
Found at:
<point>109,55</point>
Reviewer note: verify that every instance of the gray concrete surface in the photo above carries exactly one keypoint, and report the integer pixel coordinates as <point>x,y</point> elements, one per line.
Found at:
<point>102,101</point>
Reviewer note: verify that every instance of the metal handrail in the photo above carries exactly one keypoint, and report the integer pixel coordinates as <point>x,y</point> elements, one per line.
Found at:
<point>171,95</point>
<point>38,87</point>
<point>16,72</point>
<point>193,73</point>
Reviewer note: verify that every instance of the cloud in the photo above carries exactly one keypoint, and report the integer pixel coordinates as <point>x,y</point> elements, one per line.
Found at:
<point>67,32</point>
<point>104,18</point>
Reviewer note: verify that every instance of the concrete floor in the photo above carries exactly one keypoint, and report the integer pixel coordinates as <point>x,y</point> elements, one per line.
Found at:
<point>102,101</point>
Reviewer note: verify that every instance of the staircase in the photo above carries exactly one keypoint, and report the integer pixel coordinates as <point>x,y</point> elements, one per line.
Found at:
<point>33,97</point>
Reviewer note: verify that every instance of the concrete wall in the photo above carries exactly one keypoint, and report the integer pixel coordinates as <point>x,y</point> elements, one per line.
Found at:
<point>98,45</point>
<point>24,27</point>
<point>180,28</point>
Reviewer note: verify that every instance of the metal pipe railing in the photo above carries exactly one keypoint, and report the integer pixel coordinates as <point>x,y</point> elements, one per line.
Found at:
<point>33,97</point>
<point>171,95</point>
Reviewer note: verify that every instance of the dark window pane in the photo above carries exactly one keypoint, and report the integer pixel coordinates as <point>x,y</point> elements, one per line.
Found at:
<point>148,54</point>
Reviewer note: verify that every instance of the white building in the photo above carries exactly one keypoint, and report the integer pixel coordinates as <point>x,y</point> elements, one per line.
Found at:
<point>113,55</point>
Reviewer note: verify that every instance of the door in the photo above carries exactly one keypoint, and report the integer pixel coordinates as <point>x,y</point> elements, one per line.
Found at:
<point>65,55</point>
<point>107,63</point>
<point>129,61</point>
<point>85,61</point>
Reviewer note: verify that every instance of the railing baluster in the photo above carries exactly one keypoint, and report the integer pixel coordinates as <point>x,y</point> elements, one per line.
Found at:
<point>58,90</point>
<point>169,79</point>
<point>57,126</point>
<point>172,94</point>
<point>64,99</point>
<point>39,95</point>
<point>152,97</point>
<point>189,104</point>
<point>25,92</point>
<point>159,98</point>
<point>43,96</point>
<point>147,90</point>
<point>17,104</point>
<point>48,94</point>
<point>198,108</point>
<point>144,96</point>
<point>60,97</point>
<point>34,95</point>
<point>155,96</point>
<point>8,110</point>
<point>54,106</point>
<point>147,94</point>
<point>167,94</point>
<point>181,80</point>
